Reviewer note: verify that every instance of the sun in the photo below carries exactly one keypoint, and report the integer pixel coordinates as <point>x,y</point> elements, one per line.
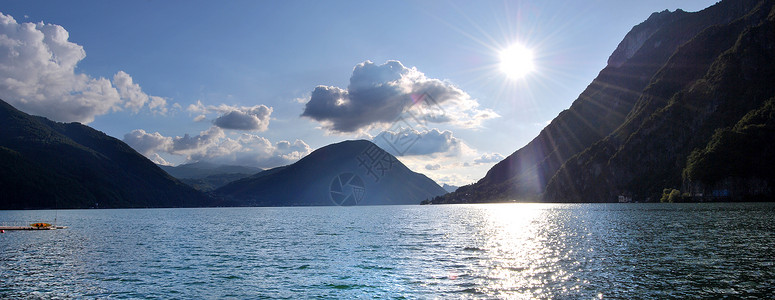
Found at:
<point>516,61</point>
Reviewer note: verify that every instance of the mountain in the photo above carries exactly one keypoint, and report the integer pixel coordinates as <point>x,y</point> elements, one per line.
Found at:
<point>206,176</point>
<point>199,170</point>
<point>346,173</point>
<point>46,164</point>
<point>212,182</point>
<point>671,84</point>
<point>449,188</point>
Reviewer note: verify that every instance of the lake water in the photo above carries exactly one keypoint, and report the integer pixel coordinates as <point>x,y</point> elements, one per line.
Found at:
<point>449,251</point>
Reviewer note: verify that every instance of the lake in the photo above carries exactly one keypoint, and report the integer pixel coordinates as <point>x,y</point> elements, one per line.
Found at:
<point>447,251</point>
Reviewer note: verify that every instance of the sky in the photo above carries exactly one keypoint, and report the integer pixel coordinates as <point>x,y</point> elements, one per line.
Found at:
<point>264,83</point>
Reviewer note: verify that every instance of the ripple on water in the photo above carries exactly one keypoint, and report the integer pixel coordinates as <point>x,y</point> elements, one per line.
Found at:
<point>476,251</point>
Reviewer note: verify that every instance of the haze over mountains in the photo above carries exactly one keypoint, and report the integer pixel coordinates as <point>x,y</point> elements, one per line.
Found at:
<point>206,176</point>
<point>681,89</point>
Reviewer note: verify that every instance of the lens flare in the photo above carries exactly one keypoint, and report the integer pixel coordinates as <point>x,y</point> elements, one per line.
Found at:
<point>516,61</point>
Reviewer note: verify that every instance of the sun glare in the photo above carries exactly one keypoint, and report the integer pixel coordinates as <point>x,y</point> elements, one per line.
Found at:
<point>516,61</point>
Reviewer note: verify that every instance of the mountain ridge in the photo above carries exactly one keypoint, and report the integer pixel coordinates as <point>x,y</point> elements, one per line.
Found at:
<point>46,164</point>
<point>317,178</point>
<point>684,115</point>
<point>612,103</point>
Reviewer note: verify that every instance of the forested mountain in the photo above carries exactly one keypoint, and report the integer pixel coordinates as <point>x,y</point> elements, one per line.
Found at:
<point>679,85</point>
<point>46,164</point>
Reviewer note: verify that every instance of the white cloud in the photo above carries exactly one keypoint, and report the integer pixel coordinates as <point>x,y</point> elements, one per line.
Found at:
<point>407,141</point>
<point>198,144</point>
<point>127,89</point>
<point>431,167</point>
<point>438,154</point>
<point>148,143</point>
<point>252,118</point>
<point>37,75</point>
<point>489,158</point>
<point>157,159</point>
<point>379,94</point>
<point>214,146</point>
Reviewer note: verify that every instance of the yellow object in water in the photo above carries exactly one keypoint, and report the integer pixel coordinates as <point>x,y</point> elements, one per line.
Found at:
<point>40,225</point>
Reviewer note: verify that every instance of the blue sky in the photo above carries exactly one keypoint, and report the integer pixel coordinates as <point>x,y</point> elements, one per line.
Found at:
<point>229,81</point>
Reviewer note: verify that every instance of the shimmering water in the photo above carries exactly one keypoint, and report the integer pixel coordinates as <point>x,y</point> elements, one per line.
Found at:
<point>462,251</point>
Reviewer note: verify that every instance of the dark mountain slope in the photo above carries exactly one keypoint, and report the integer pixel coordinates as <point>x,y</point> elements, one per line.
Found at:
<point>737,162</point>
<point>709,84</point>
<point>45,164</point>
<point>603,106</point>
<point>311,180</point>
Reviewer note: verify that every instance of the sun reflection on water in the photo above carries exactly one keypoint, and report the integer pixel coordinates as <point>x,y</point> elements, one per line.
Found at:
<point>526,254</point>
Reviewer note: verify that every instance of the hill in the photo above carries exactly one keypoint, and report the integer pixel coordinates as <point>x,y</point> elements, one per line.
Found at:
<point>346,173</point>
<point>46,164</point>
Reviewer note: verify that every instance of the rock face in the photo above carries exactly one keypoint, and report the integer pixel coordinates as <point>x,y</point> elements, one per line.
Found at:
<point>638,36</point>
<point>45,164</point>
<point>346,173</point>
<point>668,86</point>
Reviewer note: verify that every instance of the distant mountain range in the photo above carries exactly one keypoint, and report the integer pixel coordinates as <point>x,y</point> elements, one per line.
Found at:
<point>46,164</point>
<point>684,107</point>
<point>200,170</point>
<point>206,176</point>
<point>346,173</point>
<point>449,188</point>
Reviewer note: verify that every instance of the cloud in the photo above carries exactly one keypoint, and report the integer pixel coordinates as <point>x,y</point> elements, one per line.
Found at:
<point>489,158</point>
<point>251,118</point>
<point>37,75</point>
<point>147,143</point>
<point>195,145</point>
<point>157,159</point>
<point>431,167</point>
<point>129,90</point>
<point>407,141</point>
<point>437,154</point>
<point>379,94</point>
<point>214,146</point>
<point>134,97</point>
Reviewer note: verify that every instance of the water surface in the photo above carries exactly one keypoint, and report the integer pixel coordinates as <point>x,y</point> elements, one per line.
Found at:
<point>449,251</point>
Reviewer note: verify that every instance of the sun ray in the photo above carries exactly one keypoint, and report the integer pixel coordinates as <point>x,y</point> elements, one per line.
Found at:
<point>516,61</point>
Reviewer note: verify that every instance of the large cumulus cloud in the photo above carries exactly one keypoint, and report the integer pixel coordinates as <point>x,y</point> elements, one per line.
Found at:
<point>37,75</point>
<point>379,94</point>
<point>215,146</point>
